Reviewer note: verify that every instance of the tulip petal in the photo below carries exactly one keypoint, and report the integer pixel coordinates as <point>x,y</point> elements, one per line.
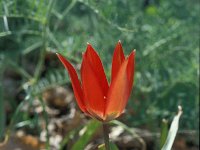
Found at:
<point>118,59</point>
<point>93,92</point>
<point>97,67</point>
<point>130,70</point>
<point>75,82</point>
<point>118,93</point>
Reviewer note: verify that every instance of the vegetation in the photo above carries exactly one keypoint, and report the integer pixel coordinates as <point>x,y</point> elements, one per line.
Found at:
<point>164,33</point>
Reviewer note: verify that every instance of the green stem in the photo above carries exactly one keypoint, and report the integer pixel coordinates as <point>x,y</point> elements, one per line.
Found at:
<point>106,136</point>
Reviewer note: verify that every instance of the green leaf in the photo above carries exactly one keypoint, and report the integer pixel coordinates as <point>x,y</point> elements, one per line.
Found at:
<point>173,130</point>
<point>89,130</point>
<point>67,138</point>
<point>164,131</point>
<point>112,147</point>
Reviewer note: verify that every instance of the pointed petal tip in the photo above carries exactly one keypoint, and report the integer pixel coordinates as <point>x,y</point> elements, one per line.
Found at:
<point>133,52</point>
<point>120,44</point>
<point>89,46</point>
<point>131,55</point>
<point>90,49</point>
<point>59,56</point>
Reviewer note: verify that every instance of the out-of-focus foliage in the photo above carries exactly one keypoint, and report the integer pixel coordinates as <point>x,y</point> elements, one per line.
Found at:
<point>164,33</point>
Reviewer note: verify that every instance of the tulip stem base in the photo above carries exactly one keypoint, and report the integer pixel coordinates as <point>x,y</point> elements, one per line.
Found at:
<point>106,136</point>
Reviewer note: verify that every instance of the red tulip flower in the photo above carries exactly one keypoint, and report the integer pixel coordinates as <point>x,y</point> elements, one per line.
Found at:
<point>94,95</point>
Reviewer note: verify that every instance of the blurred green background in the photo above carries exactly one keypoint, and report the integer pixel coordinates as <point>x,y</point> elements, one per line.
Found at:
<point>164,33</point>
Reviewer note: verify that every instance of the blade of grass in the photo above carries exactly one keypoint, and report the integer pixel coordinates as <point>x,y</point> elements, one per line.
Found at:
<point>67,138</point>
<point>172,131</point>
<point>31,48</point>
<point>19,69</point>
<point>112,147</point>
<point>90,129</point>
<point>5,20</point>
<point>54,40</point>
<point>164,131</point>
